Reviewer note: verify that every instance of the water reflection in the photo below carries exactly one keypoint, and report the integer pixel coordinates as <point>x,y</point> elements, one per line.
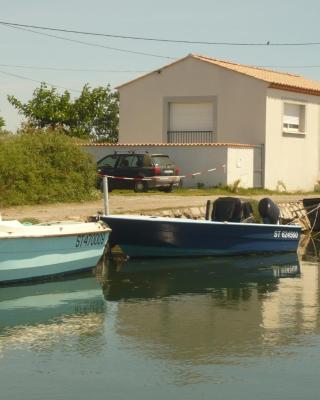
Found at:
<point>208,311</point>
<point>192,312</point>
<point>309,249</point>
<point>156,278</point>
<point>42,315</point>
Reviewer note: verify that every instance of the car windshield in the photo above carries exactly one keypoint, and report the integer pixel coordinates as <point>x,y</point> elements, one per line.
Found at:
<point>161,160</point>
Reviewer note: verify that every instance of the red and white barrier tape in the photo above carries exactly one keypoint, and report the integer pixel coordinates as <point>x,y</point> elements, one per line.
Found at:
<point>165,177</point>
<point>203,171</point>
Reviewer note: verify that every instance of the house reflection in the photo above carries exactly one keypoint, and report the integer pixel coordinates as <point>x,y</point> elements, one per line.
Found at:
<point>213,309</point>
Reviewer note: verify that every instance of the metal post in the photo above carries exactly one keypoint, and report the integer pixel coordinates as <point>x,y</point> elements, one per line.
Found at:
<point>105,195</point>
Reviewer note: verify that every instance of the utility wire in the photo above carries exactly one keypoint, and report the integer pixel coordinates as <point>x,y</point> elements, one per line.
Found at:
<point>88,43</point>
<point>69,69</point>
<point>267,43</point>
<point>126,51</point>
<point>116,71</point>
<point>34,80</point>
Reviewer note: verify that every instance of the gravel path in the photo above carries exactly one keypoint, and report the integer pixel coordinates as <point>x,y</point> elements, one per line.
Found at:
<point>118,204</point>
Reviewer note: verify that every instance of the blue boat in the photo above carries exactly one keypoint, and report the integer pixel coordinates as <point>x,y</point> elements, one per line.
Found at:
<point>227,234</point>
<point>36,251</point>
<point>146,236</point>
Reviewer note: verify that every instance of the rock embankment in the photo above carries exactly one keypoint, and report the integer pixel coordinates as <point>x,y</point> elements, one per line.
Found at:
<point>289,212</point>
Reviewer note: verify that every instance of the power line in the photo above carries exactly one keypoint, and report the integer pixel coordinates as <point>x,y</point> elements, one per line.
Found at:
<point>267,43</point>
<point>116,71</point>
<point>34,80</point>
<point>89,43</point>
<point>69,69</point>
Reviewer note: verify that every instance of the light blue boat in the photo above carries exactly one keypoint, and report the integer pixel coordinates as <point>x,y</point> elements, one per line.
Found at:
<point>34,251</point>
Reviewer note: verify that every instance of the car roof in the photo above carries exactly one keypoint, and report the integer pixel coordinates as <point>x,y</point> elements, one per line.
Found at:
<point>140,154</point>
<point>132,154</point>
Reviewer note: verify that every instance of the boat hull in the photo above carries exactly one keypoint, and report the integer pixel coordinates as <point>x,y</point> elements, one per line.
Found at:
<point>34,257</point>
<point>175,237</point>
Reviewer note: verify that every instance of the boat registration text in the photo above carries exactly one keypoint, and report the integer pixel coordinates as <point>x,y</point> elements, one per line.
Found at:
<point>285,235</point>
<point>90,239</point>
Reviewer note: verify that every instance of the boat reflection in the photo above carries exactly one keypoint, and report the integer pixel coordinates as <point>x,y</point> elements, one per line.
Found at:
<point>207,310</point>
<point>154,278</point>
<point>40,315</point>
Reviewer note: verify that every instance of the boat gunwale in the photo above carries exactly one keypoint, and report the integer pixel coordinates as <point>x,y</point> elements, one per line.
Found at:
<point>16,235</point>
<point>150,218</point>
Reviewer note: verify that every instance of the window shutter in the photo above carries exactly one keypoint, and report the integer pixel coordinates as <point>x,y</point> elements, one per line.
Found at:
<point>292,114</point>
<point>191,117</point>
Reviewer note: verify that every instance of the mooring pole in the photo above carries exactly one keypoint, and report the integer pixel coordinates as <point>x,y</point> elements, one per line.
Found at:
<point>105,195</point>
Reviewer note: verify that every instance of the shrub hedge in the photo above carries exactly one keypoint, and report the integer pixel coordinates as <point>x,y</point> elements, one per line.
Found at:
<point>44,167</point>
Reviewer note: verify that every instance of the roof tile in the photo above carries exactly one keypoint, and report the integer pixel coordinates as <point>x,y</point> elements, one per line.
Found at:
<point>276,79</point>
<point>104,144</point>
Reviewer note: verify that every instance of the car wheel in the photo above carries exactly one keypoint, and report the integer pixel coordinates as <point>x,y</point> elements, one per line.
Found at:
<point>140,186</point>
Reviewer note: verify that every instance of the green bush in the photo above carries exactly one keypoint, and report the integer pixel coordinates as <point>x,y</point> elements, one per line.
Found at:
<point>44,168</point>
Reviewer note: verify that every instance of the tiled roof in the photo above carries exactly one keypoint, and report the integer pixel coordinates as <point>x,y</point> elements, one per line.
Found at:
<point>276,79</point>
<point>241,145</point>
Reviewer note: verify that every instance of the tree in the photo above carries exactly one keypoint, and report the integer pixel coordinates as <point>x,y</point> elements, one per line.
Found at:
<point>3,131</point>
<point>96,114</point>
<point>46,109</point>
<point>2,123</point>
<point>93,115</point>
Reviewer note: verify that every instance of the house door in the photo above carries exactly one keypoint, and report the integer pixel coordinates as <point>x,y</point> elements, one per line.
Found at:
<point>258,166</point>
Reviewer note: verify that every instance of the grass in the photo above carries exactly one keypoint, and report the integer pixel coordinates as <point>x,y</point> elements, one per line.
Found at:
<point>30,221</point>
<point>218,191</point>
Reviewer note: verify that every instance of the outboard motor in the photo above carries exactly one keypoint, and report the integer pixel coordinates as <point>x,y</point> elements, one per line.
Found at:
<point>269,211</point>
<point>227,209</point>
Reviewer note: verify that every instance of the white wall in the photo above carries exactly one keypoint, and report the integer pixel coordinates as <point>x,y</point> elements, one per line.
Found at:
<point>239,101</point>
<point>232,163</point>
<point>289,158</point>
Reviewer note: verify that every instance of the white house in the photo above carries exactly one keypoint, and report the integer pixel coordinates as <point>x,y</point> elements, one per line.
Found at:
<point>210,103</point>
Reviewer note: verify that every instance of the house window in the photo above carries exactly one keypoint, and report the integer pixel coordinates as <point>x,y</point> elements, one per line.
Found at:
<point>191,122</point>
<point>294,118</point>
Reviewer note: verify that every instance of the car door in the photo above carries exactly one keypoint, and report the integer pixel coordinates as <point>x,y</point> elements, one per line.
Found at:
<point>106,166</point>
<point>126,168</point>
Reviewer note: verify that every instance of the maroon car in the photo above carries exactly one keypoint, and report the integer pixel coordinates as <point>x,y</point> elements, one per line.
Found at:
<point>145,170</point>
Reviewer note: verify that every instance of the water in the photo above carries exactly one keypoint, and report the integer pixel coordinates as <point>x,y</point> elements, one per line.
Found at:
<point>245,328</point>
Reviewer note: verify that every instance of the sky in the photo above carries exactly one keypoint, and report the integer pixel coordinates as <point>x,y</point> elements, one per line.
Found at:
<point>28,58</point>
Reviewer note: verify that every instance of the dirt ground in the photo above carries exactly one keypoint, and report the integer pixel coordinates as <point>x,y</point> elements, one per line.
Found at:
<point>117,204</point>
